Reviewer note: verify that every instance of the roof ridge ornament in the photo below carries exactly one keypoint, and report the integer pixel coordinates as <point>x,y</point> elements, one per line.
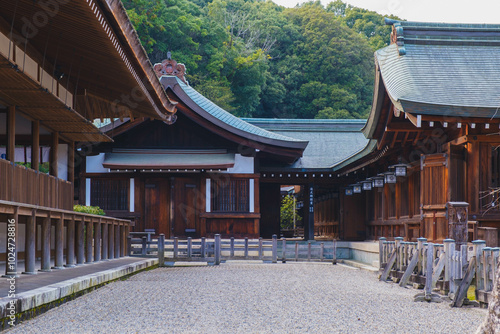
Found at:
<point>397,35</point>
<point>171,67</point>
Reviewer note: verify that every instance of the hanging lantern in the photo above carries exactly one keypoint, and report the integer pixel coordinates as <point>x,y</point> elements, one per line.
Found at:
<point>378,181</point>
<point>390,177</point>
<point>349,191</point>
<point>356,188</point>
<point>400,170</point>
<point>367,185</point>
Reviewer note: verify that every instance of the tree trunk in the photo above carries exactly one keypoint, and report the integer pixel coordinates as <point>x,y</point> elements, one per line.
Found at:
<point>492,322</point>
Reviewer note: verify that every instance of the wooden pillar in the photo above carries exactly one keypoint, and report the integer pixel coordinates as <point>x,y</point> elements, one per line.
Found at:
<point>117,240</point>
<point>11,133</point>
<point>70,246</point>
<point>80,242</point>
<point>30,245</point>
<point>457,215</point>
<point>71,162</point>
<point>89,236</point>
<point>123,248</point>
<point>35,145</point>
<point>46,224</point>
<point>97,241</point>
<point>12,242</point>
<point>59,260</point>
<point>309,213</point>
<point>111,245</point>
<point>54,154</point>
<point>105,238</point>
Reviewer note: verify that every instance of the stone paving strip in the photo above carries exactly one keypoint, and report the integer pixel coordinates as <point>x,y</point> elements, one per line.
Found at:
<point>253,298</point>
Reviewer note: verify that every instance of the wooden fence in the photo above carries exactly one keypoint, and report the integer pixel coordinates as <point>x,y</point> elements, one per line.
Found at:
<point>217,249</point>
<point>441,266</point>
<point>24,185</point>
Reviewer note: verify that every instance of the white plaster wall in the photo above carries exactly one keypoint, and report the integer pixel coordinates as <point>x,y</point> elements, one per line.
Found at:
<point>242,165</point>
<point>19,154</point>
<point>94,164</point>
<point>208,199</point>
<point>251,196</point>
<point>132,195</point>
<point>62,163</point>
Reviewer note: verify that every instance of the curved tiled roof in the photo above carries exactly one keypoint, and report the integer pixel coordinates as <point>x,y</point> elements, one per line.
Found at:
<point>220,117</point>
<point>437,68</point>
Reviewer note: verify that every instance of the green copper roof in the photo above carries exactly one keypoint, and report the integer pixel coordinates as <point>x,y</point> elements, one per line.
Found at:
<point>330,141</point>
<point>443,69</point>
<point>221,117</point>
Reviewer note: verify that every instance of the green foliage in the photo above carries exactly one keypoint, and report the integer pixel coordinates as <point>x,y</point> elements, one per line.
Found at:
<point>257,59</point>
<point>42,168</point>
<point>95,210</point>
<point>287,210</point>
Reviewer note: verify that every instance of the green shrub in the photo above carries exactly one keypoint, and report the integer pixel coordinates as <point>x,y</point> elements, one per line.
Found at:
<point>95,210</point>
<point>286,213</point>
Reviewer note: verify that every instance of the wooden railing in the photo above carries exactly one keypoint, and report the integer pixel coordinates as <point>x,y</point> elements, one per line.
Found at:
<point>27,186</point>
<point>217,249</point>
<point>442,266</point>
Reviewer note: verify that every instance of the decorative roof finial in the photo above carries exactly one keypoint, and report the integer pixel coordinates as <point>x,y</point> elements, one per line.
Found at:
<point>171,67</point>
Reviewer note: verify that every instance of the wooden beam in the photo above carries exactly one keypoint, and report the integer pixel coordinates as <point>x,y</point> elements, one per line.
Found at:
<point>35,145</point>
<point>11,133</point>
<point>53,167</point>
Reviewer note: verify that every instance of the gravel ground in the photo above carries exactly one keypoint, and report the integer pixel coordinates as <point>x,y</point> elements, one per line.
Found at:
<point>253,298</point>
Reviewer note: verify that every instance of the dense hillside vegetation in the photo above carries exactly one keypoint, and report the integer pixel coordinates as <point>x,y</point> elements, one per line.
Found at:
<point>257,59</point>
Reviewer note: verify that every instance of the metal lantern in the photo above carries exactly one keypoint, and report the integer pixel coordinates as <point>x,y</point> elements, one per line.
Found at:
<point>390,177</point>
<point>367,185</point>
<point>349,191</point>
<point>400,170</point>
<point>356,188</point>
<point>378,181</point>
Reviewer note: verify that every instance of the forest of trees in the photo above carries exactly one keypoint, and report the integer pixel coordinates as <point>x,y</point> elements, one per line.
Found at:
<point>257,59</point>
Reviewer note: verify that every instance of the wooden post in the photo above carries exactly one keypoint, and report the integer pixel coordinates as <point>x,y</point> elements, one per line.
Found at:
<point>398,241</point>
<point>381,251</point>
<point>296,251</point>
<point>59,260</point>
<point>97,241</point>
<point>457,216</point>
<point>449,251</point>
<point>12,242</point>
<point>144,245</point>
<point>111,240</point>
<point>478,252</point>
<point>35,145</point>
<point>231,251</point>
<point>246,247</point>
<point>428,271</point>
<point>309,214</point>
<point>70,243</point>
<point>484,274</point>
<point>129,246</point>
<point>89,233</point>
<point>80,242</point>
<point>283,250</point>
<point>203,248</point>
<point>161,250</point>
<point>189,247</point>
<point>54,155</point>
<point>261,250</point>
<point>217,249</point>
<point>11,133</point>
<point>105,238</point>
<point>321,251</point>
<point>334,252</point>
<point>46,244</point>
<point>420,248</point>
<point>176,247</point>
<point>275,248</point>
<point>308,251</point>
<point>123,239</point>
<point>117,240</point>
<point>71,161</point>
<point>30,248</point>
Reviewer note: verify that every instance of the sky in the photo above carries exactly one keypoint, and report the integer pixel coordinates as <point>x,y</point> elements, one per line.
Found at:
<point>450,11</point>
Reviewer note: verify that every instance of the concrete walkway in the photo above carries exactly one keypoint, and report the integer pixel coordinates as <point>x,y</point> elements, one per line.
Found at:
<point>32,291</point>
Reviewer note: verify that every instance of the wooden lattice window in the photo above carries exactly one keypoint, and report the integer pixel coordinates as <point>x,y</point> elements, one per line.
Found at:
<point>110,194</point>
<point>230,195</point>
